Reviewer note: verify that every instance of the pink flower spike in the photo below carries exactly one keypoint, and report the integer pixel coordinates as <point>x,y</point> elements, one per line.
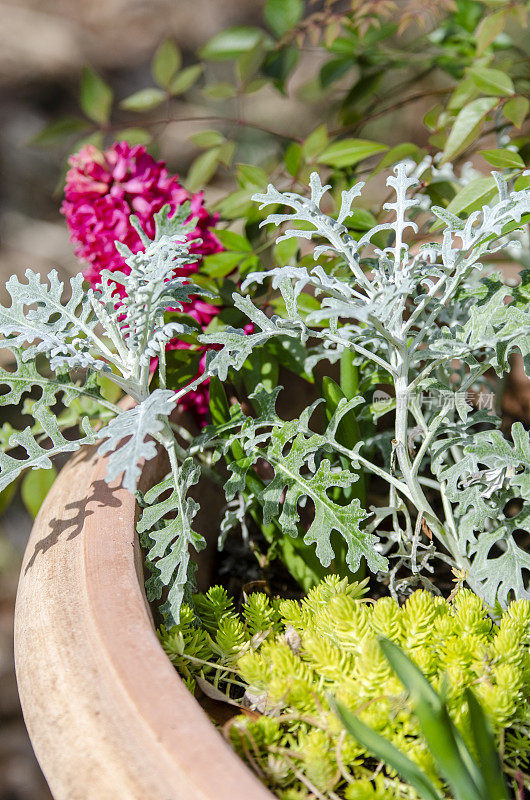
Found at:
<point>102,190</point>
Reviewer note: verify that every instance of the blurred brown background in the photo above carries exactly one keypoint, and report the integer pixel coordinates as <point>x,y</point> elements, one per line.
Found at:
<point>43,46</point>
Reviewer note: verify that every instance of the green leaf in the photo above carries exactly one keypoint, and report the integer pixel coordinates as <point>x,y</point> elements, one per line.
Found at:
<point>316,142</point>
<point>261,368</point>
<point>134,136</point>
<point>467,126</point>
<point>235,204</point>
<point>440,733</point>
<point>473,195</point>
<point>348,152</point>
<point>489,29</point>
<point>251,176</point>
<point>144,100</point>
<point>202,170</point>
<point>218,265</point>
<point>35,486</point>
<point>282,15</point>
<point>285,251</point>
<point>360,220</point>
<point>231,43</point>
<point>293,158</point>
<point>182,366</point>
<point>219,91</point>
<point>279,65</point>
<point>226,153</point>
<point>59,129</point>
<point>492,81</point>
<point>208,139</point>
<point>334,69</point>
<point>465,91</point>
<point>7,496</point>
<point>398,153</point>
<point>516,110</point>
<point>504,159</point>
<point>234,241</point>
<point>185,79</point>
<point>249,63</point>
<point>166,63</point>
<point>95,96</point>
<point>488,755</point>
<point>385,751</point>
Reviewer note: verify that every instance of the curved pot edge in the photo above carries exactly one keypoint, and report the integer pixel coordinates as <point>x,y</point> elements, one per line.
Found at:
<point>107,714</point>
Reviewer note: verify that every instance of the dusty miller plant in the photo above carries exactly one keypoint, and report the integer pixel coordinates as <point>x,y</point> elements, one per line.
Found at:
<point>409,315</point>
<point>433,325</point>
<point>94,333</point>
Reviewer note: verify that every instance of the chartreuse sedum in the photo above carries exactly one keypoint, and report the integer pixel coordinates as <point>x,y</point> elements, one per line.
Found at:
<point>285,659</point>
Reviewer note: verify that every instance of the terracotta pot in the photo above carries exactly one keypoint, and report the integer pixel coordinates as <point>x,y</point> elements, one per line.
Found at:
<point>108,716</point>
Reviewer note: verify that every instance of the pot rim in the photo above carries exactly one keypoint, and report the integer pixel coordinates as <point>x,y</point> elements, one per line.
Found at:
<point>84,643</point>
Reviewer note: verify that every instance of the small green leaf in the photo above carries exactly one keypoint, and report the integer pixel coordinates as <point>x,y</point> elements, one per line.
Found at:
<point>202,169</point>
<point>467,126</point>
<point>95,96</point>
<point>471,197</point>
<point>398,153</point>
<point>231,43</point>
<point>279,65</point>
<point>334,69</point>
<point>285,251</point>
<point>465,91</point>
<point>293,158</point>
<point>492,81</point>
<point>144,100</point>
<point>184,80</point>
<point>220,264</point>
<point>35,486</point>
<point>96,138</point>
<point>208,139</point>
<point>360,220</point>
<point>505,159</point>
<point>166,63</point>
<point>219,91</point>
<point>282,15</point>
<point>182,366</point>
<point>348,152</point>
<point>249,63</point>
<point>234,241</point>
<point>59,129</point>
<point>134,136</point>
<point>489,29</point>
<point>516,110</point>
<point>252,176</point>
<point>235,204</point>
<point>226,153</point>
<point>7,496</point>
<point>316,143</point>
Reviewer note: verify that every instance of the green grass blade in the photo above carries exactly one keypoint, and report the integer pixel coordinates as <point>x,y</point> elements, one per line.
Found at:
<point>385,751</point>
<point>445,743</point>
<point>489,763</point>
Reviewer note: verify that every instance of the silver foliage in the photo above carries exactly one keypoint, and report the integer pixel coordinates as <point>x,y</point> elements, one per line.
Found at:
<point>411,312</point>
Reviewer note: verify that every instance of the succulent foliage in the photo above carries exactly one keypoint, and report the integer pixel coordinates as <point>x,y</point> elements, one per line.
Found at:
<point>288,664</point>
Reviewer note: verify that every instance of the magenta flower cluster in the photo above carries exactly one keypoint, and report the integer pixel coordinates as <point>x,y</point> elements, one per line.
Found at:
<point>102,190</point>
